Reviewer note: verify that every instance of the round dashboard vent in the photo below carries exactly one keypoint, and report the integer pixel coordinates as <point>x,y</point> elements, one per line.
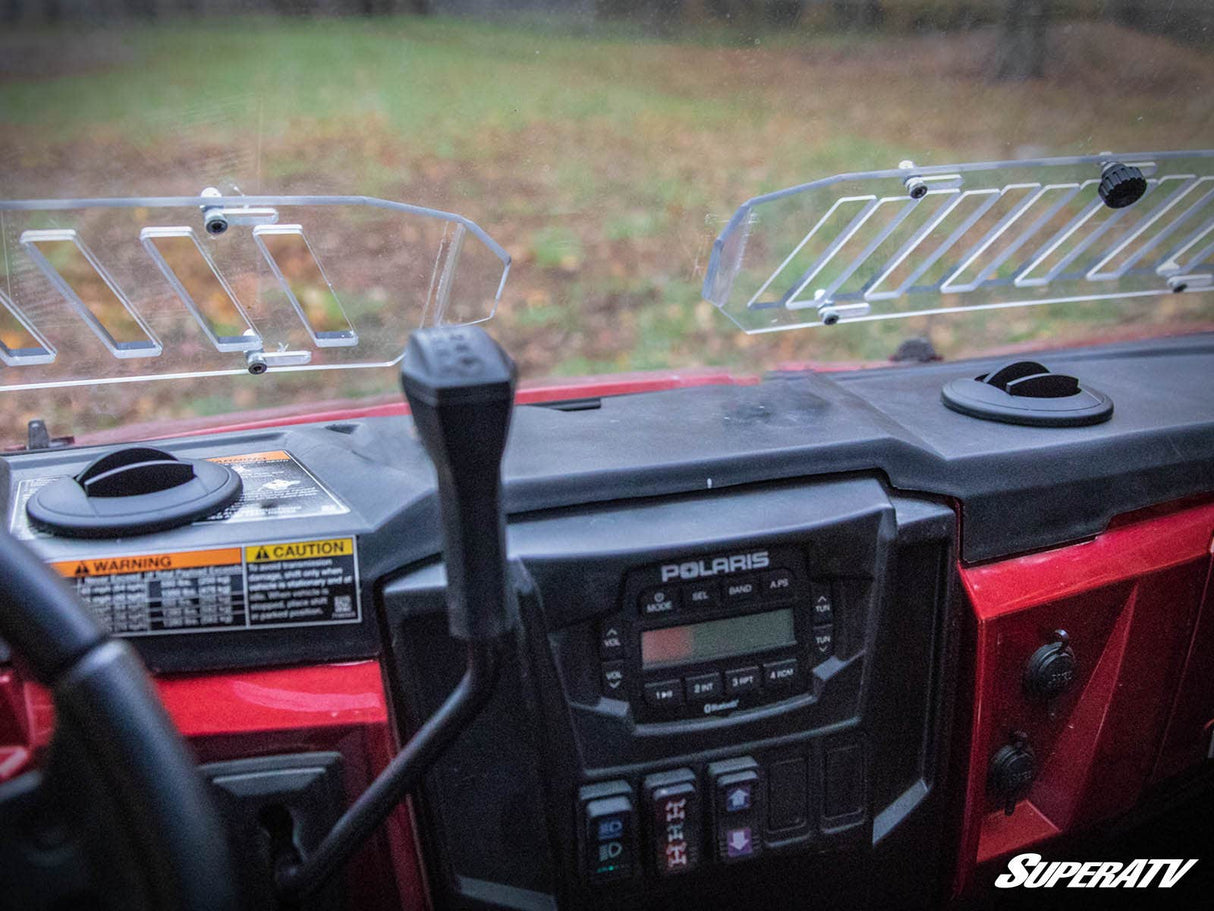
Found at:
<point>133,491</point>
<point>1025,392</point>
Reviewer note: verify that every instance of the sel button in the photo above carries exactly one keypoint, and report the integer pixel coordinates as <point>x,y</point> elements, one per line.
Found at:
<point>699,595</point>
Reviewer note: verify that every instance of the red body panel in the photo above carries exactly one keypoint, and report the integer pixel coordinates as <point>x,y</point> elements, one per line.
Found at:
<point>1134,601</point>
<point>340,707</point>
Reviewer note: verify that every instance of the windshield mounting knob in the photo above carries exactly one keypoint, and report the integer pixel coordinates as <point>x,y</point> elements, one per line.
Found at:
<point>1121,185</point>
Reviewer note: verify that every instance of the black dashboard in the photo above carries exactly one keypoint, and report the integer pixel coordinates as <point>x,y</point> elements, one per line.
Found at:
<point>733,676</point>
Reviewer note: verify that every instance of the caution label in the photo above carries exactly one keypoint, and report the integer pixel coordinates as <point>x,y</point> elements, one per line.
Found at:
<point>232,588</point>
<point>302,582</point>
<point>300,550</point>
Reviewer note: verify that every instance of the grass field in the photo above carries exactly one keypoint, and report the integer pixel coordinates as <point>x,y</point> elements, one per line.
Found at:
<point>604,162</point>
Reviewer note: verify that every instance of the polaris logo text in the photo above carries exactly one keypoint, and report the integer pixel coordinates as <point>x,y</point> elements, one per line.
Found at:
<point>1031,872</point>
<point>695,569</point>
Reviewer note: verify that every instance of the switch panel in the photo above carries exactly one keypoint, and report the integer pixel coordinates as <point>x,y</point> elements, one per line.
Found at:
<point>737,786</point>
<point>676,823</point>
<point>608,832</point>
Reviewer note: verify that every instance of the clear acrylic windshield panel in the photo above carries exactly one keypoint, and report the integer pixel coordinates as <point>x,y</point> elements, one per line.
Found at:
<point>911,241</point>
<point>116,290</point>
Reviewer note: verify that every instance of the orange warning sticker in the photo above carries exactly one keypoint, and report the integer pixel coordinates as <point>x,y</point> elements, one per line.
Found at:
<point>290,583</point>
<point>142,563</point>
<point>278,455</point>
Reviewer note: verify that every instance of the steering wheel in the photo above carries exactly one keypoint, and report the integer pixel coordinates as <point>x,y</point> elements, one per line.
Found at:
<point>118,815</point>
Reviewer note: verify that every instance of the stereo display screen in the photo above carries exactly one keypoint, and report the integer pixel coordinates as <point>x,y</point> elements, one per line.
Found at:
<point>717,639</point>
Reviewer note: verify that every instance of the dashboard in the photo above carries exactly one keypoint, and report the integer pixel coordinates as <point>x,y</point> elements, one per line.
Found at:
<point>771,636</point>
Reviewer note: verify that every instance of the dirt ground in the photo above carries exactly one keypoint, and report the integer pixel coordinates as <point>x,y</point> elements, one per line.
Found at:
<point>605,166</point>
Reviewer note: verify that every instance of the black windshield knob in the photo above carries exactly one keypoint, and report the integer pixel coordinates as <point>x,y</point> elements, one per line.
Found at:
<point>1121,185</point>
<point>460,387</point>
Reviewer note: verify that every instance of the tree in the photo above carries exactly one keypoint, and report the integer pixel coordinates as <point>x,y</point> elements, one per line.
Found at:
<point>1023,43</point>
<point>865,14</point>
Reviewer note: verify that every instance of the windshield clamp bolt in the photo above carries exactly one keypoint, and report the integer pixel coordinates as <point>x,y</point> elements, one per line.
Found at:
<point>214,221</point>
<point>257,363</point>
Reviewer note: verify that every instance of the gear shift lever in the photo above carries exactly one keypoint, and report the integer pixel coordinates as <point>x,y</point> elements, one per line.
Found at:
<point>460,387</point>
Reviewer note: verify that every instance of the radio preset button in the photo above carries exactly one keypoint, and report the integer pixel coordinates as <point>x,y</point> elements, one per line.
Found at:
<point>614,678</point>
<point>824,642</point>
<point>777,584</point>
<point>658,601</point>
<point>703,687</point>
<point>664,693</point>
<point>780,674</point>
<point>699,595</point>
<point>741,680</point>
<point>743,588</point>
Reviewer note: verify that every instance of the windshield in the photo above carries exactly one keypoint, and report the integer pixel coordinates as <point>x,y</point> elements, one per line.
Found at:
<point>602,150</point>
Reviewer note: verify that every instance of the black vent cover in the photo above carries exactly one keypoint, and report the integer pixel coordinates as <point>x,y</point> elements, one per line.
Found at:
<point>133,491</point>
<point>1025,392</point>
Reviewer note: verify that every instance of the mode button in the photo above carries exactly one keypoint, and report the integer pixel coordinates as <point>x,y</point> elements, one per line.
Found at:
<point>655,602</point>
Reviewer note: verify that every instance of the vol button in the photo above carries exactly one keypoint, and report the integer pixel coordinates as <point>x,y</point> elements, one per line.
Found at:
<point>611,641</point>
<point>613,680</point>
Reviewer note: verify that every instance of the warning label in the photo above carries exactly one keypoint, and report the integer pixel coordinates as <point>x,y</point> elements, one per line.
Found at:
<point>274,486</point>
<point>291,583</point>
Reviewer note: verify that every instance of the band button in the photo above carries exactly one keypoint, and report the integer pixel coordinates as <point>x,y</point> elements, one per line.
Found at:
<point>743,588</point>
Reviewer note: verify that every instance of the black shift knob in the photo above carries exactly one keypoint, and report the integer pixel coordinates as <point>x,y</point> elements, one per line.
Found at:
<point>1121,185</point>
<point>460,388</point>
